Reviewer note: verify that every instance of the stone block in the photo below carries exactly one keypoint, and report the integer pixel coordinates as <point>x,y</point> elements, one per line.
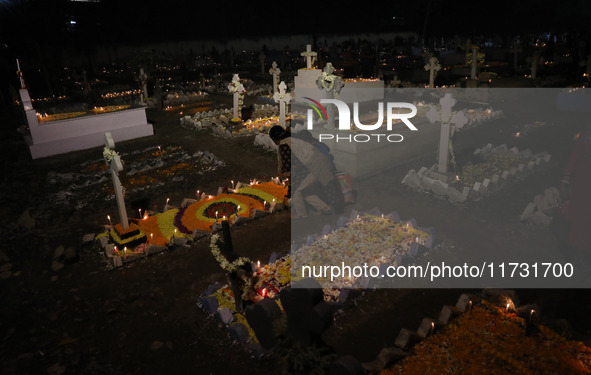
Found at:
<point>406,339</point>
<point>261,317</point>
<point>426,328</point>
<point>447,313</point>
<point>225,315</point>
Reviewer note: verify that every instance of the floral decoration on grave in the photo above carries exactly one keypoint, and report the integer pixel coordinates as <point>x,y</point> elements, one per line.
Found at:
<point>328,81</point>
<point>488,339</point>
<point>225,264</point>
<point>109,154</point>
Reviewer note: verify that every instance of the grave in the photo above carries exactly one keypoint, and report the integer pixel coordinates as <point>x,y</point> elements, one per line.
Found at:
<point>81,133</point>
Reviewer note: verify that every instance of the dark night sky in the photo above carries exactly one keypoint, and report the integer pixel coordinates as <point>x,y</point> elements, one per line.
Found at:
<point>148,20</point>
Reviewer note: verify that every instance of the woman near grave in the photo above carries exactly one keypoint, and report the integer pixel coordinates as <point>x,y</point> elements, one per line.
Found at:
<point>576,193</point>
<point>311,175</point>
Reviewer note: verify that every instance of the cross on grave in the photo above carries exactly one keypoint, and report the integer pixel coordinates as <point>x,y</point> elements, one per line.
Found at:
<point>449,122</point>
<point>113,160</point>
<point>310,56</point>
<point>275,72</point>
<point>142,80</point>
<point>332,84</point>
<point>236,277</point>
<point>262,57</point>
<point>432,66</point>
<point>237,89</point>
<point>283,99</point>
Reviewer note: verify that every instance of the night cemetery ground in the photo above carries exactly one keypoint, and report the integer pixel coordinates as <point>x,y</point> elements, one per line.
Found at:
<point>80,315</point>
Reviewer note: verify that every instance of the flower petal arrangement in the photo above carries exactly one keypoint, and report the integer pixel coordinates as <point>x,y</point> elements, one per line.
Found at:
<point>490,340</point>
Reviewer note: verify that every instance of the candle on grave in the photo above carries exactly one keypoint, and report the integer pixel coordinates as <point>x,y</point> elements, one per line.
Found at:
<point>232,184</point>
<point>198,197</point>
<point>151,236</point>
<point>216,215</point>
<point>469,305</point>
<point>140,211</point>
<point>258,264</point>
<point>124,252</point>
<point>167,200</point>
<point>109,218</point>
<point>264,292</point>
<point>507,308</point>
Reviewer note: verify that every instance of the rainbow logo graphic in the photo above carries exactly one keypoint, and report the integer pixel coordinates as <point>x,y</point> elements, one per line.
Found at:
<point>317,107</point>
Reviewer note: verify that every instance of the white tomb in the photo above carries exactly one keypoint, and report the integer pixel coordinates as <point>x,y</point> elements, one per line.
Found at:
<point>81,133</point>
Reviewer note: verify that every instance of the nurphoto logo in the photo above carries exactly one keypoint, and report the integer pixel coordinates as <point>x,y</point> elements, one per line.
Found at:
<point>344,115</point>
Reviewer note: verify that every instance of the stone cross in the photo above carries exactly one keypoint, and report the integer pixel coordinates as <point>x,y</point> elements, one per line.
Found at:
<point>310,56</point>
<point>283,99</point>
<point>474,62</point>
<point>337,85</point>
<point>432,66</point>
<point>275,72</point>
<point>116,166</point>
<point>236,88</point>
<point>447,119</point>
<point>142,79</point>
<point>262,60</point>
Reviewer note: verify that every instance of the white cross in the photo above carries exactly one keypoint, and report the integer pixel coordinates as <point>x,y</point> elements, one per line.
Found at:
<point>432,66</point>
<point>446,118</point>
<point>283,99</point>
<point>275,71</point>
<point>310,56</point>
<point>236,88</point>
<point>116,166</point>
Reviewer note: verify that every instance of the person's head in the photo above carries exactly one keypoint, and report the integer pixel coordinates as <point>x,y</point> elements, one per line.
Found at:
<point>277,133</point>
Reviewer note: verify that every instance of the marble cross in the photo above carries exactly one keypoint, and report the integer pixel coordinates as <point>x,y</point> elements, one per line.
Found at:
<point>275,71</point>
<point>310,56</point>
<point>283,99</point>
<point>236,88</point>
<point>116,166</point>
<point>449,122</point>
<point>432,66</point>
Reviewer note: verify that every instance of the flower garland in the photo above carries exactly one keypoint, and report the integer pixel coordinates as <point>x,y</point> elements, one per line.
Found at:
<point>109,154</point>
<point>330,82</point>
<point>224,263</point>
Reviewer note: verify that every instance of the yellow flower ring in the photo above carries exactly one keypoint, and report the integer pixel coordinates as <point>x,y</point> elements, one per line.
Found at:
<point>266,191</point>
<point>160,228</point>
<point>201,215</point>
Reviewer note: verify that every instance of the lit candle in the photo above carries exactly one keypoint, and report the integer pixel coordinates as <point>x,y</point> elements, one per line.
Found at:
<point>258,264</point>
<point>140,211</point>
<point>264,292</point>
<point>507,309</point>
<point>216,215</point>
<point>109,218</point>
<point>151,236</point>
<point>124,252</point>
<point>232,184</point>
<point>167,200</point>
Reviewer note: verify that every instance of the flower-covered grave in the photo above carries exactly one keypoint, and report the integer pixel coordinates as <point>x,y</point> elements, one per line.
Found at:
<point>196,218</point>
